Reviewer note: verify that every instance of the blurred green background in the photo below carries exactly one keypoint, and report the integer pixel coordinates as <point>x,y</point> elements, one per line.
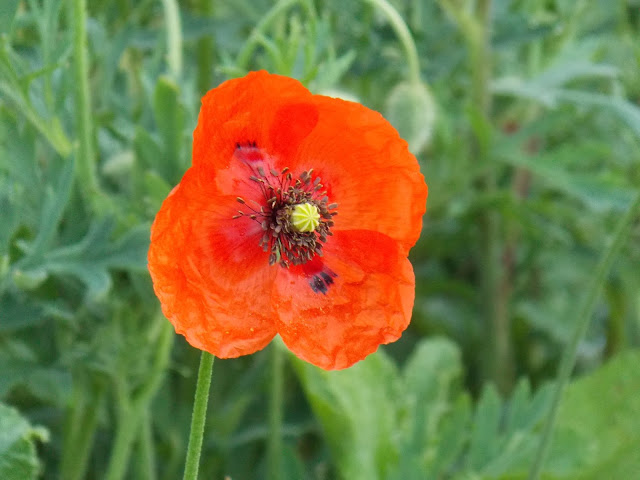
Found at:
<point>525,117</point>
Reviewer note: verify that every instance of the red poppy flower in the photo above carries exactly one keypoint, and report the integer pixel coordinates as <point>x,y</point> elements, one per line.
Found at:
<point>295,219</point>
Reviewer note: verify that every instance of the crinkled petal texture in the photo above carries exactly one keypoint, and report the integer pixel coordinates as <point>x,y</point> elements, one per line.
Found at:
<point>368,304</point>
<point>274,111</point>
<point>211,279</point>
<point>368,169</point>
<point>209,271</point>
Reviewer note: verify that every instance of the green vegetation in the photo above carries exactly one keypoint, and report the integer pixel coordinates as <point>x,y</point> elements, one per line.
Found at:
<point>522,359</point>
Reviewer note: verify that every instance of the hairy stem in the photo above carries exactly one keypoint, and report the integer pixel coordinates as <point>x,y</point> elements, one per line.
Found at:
<point>86,164</point>
<point>402,31</point>
<point>199,416</point>
<point>274,445</point>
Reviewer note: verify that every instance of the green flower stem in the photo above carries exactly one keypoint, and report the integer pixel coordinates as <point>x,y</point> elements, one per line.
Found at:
<point>132,411</point>
<point>274,445</point>
<point>174,37</point>
<point>581,321</point>
<point>205,50</point>
<point>86,164</point>
<point>402,31</point>
<point>199,416</point>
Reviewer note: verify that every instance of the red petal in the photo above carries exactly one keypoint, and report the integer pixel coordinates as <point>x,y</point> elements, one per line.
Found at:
<point>368,304</point>
<point>367,169</point>
<point>209,273</point>
<point>273,111</point>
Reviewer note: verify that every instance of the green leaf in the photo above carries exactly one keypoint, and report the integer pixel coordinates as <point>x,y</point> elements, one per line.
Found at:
<point>51,385</point>
<point>148,151</point>
<point>598,194</point>
<point>601,413</point>
<point>546,87</point>
<point>357,410</point>
<point>627,111</point>
<point>55,201</point>
<point>452,437</point>
<point>486,424</point>
<point>156,190</point>
<point>330,72</point>
<point>15,89</point>
<point>91,258</point>
<point>504,435</point>
<point>18,459</point>
<point>431,376</point>
<point>436,423</point>
<point>18,312</point>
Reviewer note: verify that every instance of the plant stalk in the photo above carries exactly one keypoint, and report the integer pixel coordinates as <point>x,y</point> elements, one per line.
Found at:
<point>199,416</point>
<point>86,164</point>
<point>404,35</point>
<point>498,363</point>
<point>274,445</point>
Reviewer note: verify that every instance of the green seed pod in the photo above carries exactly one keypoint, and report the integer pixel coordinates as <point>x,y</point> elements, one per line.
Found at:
<point>412,111</point>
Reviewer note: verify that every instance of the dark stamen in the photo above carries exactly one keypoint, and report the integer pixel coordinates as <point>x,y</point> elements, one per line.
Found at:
<point>281,193</point>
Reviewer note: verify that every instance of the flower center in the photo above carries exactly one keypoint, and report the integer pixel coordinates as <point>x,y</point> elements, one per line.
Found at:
<point>294,213</point>
<point>305,217</point>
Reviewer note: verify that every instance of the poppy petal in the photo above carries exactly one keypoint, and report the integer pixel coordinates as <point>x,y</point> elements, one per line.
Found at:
<point>367,169</point>
<point>366,300</point>
<point>271,111</point>
<point>209,272</point>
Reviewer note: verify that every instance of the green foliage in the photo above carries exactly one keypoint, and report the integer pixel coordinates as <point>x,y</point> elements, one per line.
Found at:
<point>599,418</point>
<point>359,422</point>
<point>525,192</point>
<point>18,459</point>
<point>419,423</point>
